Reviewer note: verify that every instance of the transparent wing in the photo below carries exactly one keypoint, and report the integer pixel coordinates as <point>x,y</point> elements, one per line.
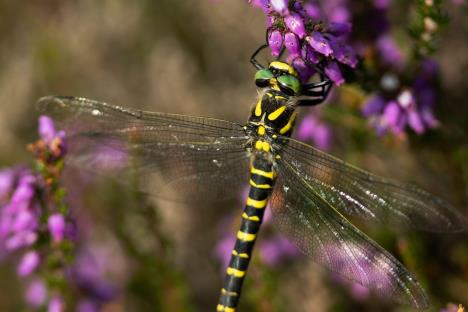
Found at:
<point>185,158</point>
<point>322,233</point>
<point>359,193</point>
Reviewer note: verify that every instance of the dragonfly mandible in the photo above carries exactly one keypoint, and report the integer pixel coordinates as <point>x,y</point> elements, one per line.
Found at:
<point>308,191</point>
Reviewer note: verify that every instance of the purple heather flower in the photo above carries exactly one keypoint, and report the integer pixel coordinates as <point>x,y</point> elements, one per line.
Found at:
<point>55,140</point>
<point>7,180</point>
<point>28,263</point>
<point>312,10</point>
<point>415,121</point>
<point>304,71</point>
<point>296,24</point>
<point>389,51</point>
<point>374,105</point>
<point>46,129</point>
<point>36,293</point>
<point>57,226</point>
<point>24,191</point>
<point>311,128</point>
<point>310,55</point>
<point>275,41</point>
<point>56,304</point>
<point>262,4</point>
<point>92,272</point>
<point>344,54</point>
<point>292,44</point>
<point>280,6</point>
<point>319,43</point>
<point>336,11</point>
<point>332,70</point>
<point>392,114</point>
<point>339,29</point>
<point>19,217</point>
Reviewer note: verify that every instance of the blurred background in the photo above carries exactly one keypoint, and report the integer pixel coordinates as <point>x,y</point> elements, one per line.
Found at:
<point>191,57</point>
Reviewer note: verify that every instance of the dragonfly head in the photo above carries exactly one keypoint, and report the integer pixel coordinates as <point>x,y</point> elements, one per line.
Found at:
<point>279,76</point>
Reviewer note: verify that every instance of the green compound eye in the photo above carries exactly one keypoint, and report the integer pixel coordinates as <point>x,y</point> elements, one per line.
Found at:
<point>262,78</point>
<point>289,84</point>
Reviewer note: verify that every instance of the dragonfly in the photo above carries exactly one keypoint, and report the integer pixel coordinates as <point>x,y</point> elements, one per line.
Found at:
<point>310,193</point>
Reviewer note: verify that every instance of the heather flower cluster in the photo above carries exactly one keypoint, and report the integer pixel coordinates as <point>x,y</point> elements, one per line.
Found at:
<point>312,46</point>
<point>33,219</point>
<point>397,106</point>
<point>19,213</point>
<point>404,89</point>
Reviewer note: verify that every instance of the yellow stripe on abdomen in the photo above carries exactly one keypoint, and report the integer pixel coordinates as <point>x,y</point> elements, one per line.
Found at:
<point>221,308</point>
<point>266,174</point>
<point>246,237</point>
<point>259,204</point>
<point>260,186</point>
<point>235,272</point>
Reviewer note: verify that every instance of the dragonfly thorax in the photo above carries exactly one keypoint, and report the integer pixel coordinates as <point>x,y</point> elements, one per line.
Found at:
<point>272,116</point>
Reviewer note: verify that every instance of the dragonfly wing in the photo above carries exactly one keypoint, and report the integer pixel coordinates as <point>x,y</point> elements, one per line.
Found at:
<point>323,234</point>
<point>185,158</point>
<point>359,193</point>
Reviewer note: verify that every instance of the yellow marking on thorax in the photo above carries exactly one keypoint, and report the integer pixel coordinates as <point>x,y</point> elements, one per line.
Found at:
<point>261,130</point>
<point>260,186</point>
<point>258,108</point>
<point>266,174</point>
<point>242,255</point>
<point>246,237</point>
<point>280,97</point>
<point>288,126</point>
<point>251,218</point>
<point>274,115</point>
<point>259,204</point>
<point>259,145</point>
<point>262,145</point>
<point>235,272</point>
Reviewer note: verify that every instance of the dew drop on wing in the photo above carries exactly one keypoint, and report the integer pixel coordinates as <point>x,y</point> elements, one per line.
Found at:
<point>285,188</point>
<point>96,112</point>
<point>217,163</point>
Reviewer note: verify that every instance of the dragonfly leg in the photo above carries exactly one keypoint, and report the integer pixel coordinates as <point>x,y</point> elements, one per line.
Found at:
<point>261,183</point>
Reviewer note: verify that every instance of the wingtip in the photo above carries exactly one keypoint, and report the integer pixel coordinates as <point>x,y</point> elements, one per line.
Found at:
<point>46,102</point>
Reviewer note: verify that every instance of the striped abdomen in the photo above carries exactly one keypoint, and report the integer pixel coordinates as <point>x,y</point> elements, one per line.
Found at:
<point>261,183</point>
